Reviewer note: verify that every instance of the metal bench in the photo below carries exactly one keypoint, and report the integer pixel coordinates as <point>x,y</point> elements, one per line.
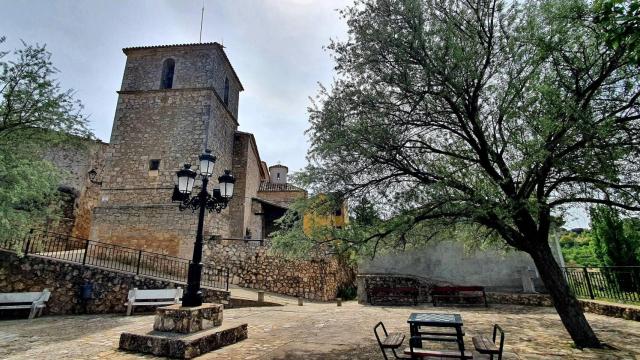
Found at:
<point>152,297</point>
<point>390,341</point>
<point>458,292</point>
<point>488,346</point>
<point>26,300</point>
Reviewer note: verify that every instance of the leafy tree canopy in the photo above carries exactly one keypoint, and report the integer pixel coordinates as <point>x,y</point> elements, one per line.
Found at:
<point>621,22</point>
<point>32,104</point>
<point>615,240</point>
<point>492,113</point>
<point>578,249</point>
<point>35,114</point>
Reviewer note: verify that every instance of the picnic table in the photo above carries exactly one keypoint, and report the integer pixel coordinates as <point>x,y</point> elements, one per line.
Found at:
<point>449,329</point>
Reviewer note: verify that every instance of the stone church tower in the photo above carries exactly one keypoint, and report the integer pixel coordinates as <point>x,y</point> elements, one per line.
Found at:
<point>175,101</point>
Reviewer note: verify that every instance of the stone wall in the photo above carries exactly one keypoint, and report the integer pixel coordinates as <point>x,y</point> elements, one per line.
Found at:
<point>75,161</point>
<point>257,221</point>
<point>623,311</point>
<point>173,126</point>
<point>365,282</point>
<point>110,288</point>
<point>449,261</point>
<point>155,228</point>
<point>196,66</point>
<point>170,125</point>
<point>246,169</point>
<point>519,299</point>
<point>250,265</point>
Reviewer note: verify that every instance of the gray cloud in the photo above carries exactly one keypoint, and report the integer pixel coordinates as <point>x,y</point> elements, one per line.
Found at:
<point>275,46</point>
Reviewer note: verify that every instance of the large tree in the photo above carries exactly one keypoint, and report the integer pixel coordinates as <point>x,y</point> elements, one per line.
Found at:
<point>35,114</point>
<point>494,113</point>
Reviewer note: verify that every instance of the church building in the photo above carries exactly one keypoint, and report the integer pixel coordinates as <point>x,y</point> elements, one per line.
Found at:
<point>176,101</point>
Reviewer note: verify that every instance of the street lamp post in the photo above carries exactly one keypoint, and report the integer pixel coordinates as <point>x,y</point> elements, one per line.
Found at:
<point>216,201</point>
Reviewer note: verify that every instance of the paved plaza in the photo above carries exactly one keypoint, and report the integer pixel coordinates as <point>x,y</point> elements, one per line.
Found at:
<point>317,331</point>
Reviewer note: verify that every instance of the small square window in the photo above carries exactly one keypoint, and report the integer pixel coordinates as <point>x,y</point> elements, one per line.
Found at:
<point>154,165</point>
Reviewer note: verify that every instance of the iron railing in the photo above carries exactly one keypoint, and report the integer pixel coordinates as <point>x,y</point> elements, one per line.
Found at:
<point>114,257</point>
<point>606,282</point>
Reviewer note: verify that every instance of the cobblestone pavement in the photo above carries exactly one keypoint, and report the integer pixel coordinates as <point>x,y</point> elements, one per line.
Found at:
<point>318,331</point>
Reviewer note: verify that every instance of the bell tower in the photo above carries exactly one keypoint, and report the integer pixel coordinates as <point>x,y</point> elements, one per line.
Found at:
<point>175,101</point>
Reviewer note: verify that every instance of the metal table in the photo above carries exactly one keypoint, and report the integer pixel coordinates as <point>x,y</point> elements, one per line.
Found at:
<point>453,321</point>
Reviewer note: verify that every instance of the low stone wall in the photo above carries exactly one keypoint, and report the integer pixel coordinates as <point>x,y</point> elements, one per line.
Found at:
<point>519,299</point>
<point>366,282</point>
<point>110,288</point>
<point>251,266</point>
<point>624,311</point>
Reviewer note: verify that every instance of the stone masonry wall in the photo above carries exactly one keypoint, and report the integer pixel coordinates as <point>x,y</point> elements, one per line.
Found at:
<point>247,173</point>
<point>366,282</point>
<point>110,288</point>
<point>252,183</point>
<point>250,265</point>
<point>203,66</point>
<point>256,222</point>
<point>156,228</point>
<point>174,126</point>
<point>75,161</point>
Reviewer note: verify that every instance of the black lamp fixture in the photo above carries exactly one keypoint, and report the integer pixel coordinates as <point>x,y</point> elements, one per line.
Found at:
<point>92,177</point>
<point>216,201</point>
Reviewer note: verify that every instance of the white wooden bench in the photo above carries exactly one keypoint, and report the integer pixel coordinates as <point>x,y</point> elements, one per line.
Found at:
<point>26,300</point>
<point>152,297</point>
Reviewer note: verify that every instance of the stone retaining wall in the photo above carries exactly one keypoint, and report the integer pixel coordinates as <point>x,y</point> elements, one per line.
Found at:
<point>624,311</point>
<point>251,266</point>
<point>366,282</point>
<point>110,288</point>
<point>519,299</point>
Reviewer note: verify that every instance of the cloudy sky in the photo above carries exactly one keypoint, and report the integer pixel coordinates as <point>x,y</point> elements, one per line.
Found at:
<point>275,46</point>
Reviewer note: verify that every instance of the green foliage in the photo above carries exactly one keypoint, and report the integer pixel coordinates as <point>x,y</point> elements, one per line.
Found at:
<point>28,193</point>
<point>32,106</point>
<point>35,114</point>
<point>615,240</point>
<point>497,115</point>
<point>349,292</point>
<point>292,241</point>
<point>578,249</point>
<point>621,22</point>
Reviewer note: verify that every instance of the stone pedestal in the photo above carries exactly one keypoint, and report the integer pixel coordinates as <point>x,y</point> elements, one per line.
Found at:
<point>527,275</point>
<point>183,346</point>
<point>185,332</point>
<point>186,320</point>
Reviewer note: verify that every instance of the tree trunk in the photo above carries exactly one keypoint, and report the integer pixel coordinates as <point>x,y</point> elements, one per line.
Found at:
<point>564,301</point>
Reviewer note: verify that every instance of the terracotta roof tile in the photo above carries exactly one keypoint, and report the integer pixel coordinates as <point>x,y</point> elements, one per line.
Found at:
<point>267,186</point>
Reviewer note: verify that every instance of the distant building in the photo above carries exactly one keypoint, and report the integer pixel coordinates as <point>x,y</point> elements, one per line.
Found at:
<point>338,218</point>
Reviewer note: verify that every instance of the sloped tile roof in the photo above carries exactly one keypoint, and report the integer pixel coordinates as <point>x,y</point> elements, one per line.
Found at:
<point>267,186</point>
